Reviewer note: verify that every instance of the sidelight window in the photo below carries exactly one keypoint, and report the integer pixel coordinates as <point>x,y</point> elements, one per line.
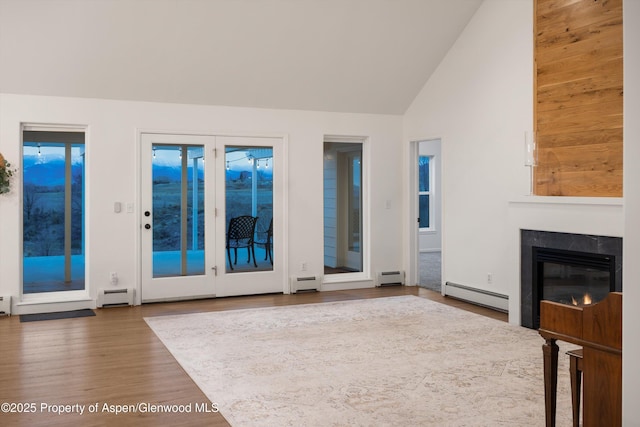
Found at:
<point>53,166</point>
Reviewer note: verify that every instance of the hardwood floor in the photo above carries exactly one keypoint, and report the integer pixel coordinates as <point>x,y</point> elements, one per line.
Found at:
<point>115,359</point>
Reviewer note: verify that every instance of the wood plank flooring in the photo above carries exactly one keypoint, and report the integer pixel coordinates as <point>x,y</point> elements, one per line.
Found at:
<point>115,359</point>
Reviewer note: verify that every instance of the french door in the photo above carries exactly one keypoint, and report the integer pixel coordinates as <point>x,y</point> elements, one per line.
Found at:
<point>194,190</point>
<point>251,184</point>
<point>178,250</point>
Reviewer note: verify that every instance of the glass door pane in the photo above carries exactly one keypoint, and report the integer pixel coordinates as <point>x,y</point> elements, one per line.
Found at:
<point>249,208</point>
<point>178,210</point>
<point>53,211</point>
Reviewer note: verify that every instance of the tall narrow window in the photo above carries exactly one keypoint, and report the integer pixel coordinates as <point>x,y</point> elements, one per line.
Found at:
<point>53,211</point>
<point>424,188</point>
<point>343,202</point>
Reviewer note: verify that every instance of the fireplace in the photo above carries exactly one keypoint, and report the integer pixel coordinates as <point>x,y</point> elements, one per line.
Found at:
<point>570,277</point>
<point>567,268</point>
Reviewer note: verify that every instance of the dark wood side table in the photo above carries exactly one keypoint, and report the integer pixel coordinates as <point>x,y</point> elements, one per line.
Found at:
<point>598,329</point>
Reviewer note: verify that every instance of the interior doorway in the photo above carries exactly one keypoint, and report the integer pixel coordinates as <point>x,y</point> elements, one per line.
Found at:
<point>428,205</point>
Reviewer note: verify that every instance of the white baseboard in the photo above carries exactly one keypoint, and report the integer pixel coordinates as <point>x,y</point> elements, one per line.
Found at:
<point>51,307</point>
<point>345,286</point>
<point>481,297</point>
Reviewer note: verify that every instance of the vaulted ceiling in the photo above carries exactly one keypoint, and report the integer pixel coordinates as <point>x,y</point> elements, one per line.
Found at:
<point>366,56</point>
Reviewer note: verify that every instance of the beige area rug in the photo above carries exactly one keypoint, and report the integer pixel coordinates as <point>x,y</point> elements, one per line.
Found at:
<point>398,361</point>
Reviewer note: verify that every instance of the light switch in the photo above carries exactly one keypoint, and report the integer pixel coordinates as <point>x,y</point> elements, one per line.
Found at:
<point>117,207</point>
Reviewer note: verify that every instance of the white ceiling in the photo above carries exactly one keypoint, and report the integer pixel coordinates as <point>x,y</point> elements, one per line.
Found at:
<point>368,56</point>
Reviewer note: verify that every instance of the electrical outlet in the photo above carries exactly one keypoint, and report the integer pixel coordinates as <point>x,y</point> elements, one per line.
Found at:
<point>303,266</point>
<point>113,276</point>
<point>489,278</point>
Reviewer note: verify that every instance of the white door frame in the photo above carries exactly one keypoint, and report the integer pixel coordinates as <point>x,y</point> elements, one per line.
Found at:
<point>365,273</point>
<point>412,214</point>
<point>413,228</point>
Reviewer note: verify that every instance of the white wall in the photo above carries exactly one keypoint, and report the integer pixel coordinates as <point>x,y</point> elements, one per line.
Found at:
<point>479,102</point>
<point>113,170</point>
<point>631,242</point>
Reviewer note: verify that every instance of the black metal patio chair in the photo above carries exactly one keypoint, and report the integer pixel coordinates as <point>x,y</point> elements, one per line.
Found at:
<point>264,238</point>
<point>241,235</point>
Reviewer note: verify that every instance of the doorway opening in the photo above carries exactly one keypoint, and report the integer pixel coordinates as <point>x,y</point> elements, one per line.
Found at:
<point>428,201</point>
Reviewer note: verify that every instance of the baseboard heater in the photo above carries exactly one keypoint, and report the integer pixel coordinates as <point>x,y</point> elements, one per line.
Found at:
<point>115,297</point>
<point>390,278</point>
<point>476,296</point>
<point>5,305</point>
<point>304,284</point>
